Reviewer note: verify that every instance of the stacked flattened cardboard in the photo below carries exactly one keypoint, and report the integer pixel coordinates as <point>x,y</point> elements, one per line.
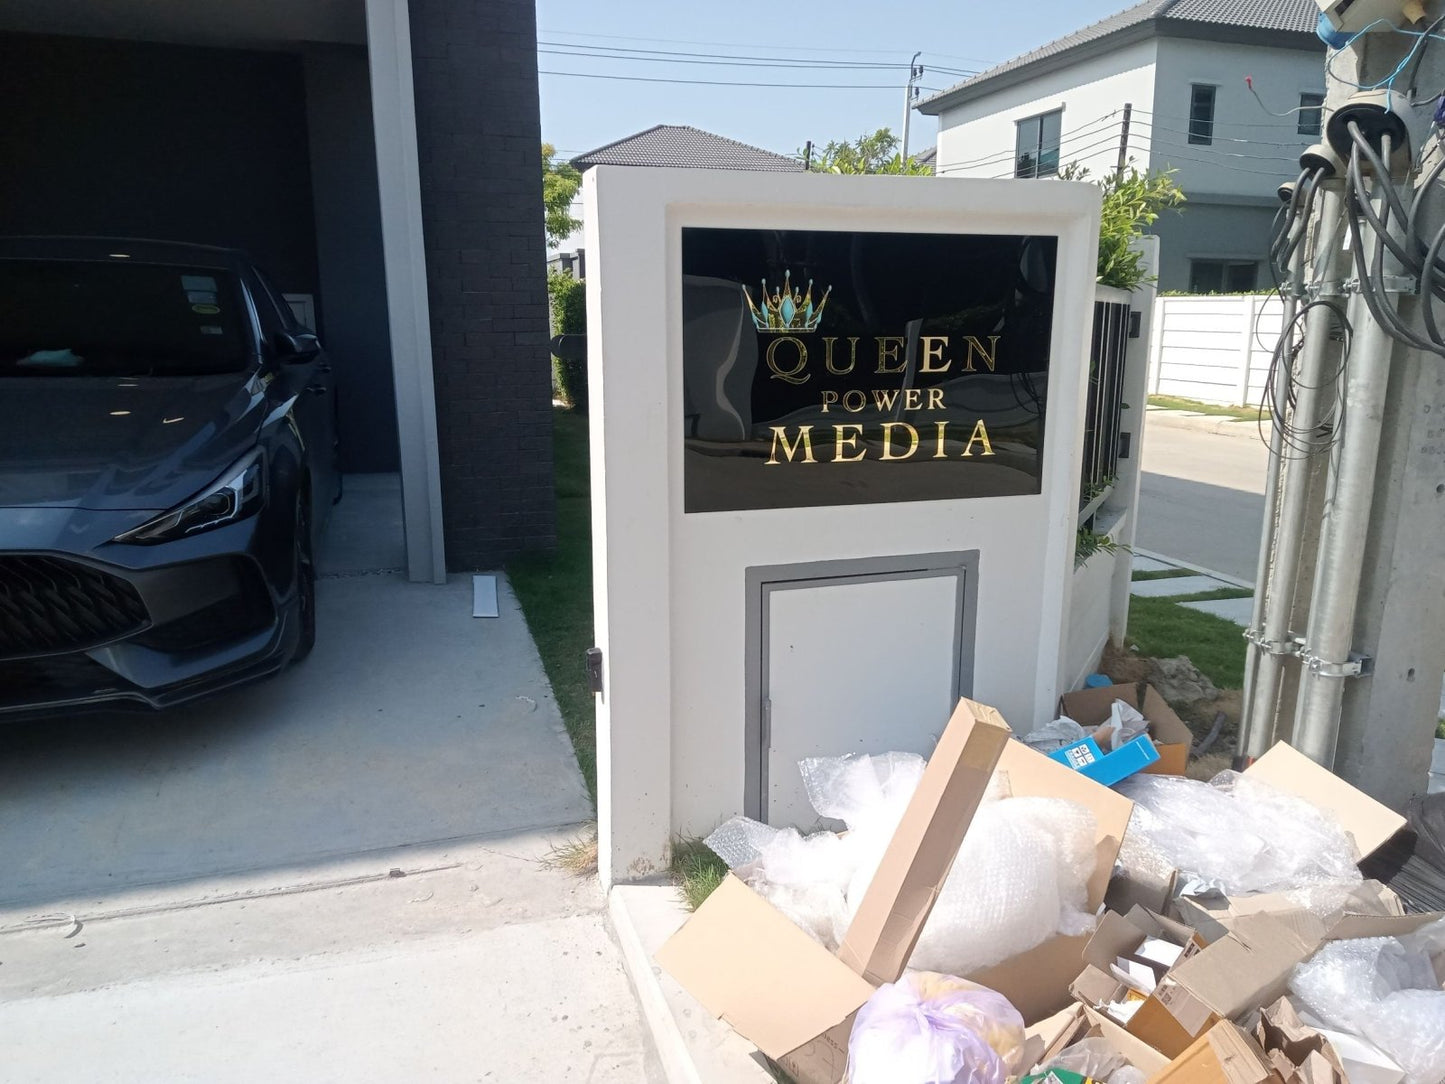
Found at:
<point>1187,991</point>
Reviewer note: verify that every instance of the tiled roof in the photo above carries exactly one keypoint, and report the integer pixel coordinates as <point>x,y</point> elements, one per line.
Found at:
<point>684,145</point>
<point>1288,16</point>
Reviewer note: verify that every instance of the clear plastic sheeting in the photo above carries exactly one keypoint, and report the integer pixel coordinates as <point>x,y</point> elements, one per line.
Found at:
<point>1233,835</point>
<point>935,1029</point>
<point>1385,990</point>
<point>1055,735</point>
<point>1096,1059</point>
<point>1020,877</point>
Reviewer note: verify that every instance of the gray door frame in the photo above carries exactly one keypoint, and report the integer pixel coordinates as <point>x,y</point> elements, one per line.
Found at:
<point>763,580</point>
<point>393,106</point>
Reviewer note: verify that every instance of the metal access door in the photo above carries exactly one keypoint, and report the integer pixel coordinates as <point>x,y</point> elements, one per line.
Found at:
<point>853,657</point>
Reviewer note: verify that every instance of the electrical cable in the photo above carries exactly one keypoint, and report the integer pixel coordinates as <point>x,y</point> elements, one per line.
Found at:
<point>749,45</point>
<point>725,83</point>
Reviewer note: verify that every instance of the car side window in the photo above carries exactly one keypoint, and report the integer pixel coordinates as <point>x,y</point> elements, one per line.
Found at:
<point>279,302</point>
<point>271,321</point>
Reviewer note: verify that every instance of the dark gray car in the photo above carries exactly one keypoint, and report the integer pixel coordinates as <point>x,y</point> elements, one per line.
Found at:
<point>167,458</point>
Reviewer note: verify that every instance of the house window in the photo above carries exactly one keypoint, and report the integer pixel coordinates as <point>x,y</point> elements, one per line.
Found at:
<point>1036,145</point>
<point>1311,114</point>
<point>1222,276</point>
<point>1201,114</point>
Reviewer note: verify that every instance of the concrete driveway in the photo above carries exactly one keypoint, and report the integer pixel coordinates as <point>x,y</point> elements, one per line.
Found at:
<point>334,875</point>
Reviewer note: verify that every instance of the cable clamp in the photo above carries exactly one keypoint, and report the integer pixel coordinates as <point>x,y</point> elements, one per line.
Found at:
<point>1333,288</point>
<point>1272,647</point>
<point>1356,665</point>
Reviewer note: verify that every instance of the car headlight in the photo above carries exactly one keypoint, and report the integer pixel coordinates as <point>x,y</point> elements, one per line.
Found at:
<point>240,493</point>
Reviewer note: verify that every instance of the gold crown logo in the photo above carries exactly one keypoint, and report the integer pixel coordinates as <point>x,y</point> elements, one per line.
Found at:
<point>786,309</point>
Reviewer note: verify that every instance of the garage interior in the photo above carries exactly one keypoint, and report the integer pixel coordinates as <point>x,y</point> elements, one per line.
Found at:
<point>242,125</point>
<point>401,786</point>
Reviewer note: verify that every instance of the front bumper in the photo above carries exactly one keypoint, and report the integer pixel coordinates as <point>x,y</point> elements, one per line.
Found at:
<point>143,627</point>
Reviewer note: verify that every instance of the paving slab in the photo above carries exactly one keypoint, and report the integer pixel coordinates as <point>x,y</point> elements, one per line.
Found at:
<point>1141,563</point>
<point>1237,610</point>
<point>693,1046</point>
<point>1177,585</point>
<point>547,1000</point>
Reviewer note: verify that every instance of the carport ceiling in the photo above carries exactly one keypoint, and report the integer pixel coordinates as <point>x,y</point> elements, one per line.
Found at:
<point>256,24</point>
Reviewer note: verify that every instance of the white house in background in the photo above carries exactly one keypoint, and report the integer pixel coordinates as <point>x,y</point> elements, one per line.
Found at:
<point>675,145</point>
<point>1181,66</point>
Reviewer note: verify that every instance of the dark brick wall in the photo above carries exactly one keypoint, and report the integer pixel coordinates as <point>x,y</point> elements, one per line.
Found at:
<point>479,136</point>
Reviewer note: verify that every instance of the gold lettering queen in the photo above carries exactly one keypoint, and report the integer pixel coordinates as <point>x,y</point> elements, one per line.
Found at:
<point>787,310</point>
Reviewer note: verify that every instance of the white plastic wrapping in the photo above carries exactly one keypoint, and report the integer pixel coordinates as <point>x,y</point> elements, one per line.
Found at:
<point>1384,990</point>
<point>1055,735</point>
<point>1020,877</point>
<point>1234,835</point>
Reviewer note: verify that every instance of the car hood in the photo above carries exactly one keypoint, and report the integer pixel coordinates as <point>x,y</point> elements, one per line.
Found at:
<point>122,443</point>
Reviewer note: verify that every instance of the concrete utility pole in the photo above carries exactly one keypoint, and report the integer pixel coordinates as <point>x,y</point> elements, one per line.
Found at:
<point>1124,142</point>
<point>1353,585</point>
<point>914,72</point>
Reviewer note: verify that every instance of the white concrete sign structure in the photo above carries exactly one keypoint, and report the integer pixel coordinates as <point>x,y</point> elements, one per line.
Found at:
<point>835,474</point>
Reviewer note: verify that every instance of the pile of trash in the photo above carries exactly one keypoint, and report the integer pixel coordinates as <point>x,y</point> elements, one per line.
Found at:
<point>1020,877</point>
<point>999,915</point>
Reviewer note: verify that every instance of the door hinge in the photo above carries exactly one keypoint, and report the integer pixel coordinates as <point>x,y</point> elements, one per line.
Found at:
<point>766,723</point>
<point>594,670</point>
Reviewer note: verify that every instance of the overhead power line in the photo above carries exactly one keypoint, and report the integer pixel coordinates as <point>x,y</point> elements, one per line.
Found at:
<point>724,82</point>
<point>790,48</point>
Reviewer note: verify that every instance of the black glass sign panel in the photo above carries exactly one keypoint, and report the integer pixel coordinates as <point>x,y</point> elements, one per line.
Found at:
<point>832,368</point>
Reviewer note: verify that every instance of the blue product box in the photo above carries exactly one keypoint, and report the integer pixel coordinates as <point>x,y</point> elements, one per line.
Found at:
<point>1108,768</point>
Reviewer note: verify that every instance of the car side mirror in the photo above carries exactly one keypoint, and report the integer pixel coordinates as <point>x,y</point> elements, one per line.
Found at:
<point>297,346</point>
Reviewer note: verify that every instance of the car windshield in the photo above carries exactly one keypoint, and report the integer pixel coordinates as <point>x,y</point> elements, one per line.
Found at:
<point>93,318</point>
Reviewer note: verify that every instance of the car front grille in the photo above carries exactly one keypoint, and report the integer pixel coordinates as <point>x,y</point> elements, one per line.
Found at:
<point>49,605</point>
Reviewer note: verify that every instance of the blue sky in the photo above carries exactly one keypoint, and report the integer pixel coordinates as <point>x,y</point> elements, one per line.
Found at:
<point>612,38</point>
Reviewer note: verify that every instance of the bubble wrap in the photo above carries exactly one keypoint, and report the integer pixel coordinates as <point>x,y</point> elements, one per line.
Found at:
<point>1234,834</point>
<point>1384,990</point>
<point>1020,877</point>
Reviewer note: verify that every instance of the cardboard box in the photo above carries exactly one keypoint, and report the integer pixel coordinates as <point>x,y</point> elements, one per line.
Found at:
<point>793,999</point>
<point>1108,768</point>
<point>1172,739</point>
<point>1079,1023</point>
<point>1303,1054</point>
<point>1214,916</point>
<point>1251,966</point>
<point>1369,823</point>
<point>1225,1054</point>
<point>1122,937</point>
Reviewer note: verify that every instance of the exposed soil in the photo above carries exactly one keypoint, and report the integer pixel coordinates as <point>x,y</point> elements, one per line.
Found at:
<point>1125,667</point>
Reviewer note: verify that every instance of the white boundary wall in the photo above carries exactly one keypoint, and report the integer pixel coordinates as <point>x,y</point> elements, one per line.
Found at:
<point>670,589</point>
<point>1214,348</point>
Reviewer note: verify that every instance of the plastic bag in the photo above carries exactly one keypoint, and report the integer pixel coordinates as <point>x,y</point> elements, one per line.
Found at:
<point>1125,724</point>
<point>1234,835</point>
<point>1094,1058</point>
<point>935,1029</point>
<point>1384,990</point>
<point>1051,736</point>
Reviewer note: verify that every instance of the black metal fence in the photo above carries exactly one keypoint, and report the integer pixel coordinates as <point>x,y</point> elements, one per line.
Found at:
<point>1102,429</point>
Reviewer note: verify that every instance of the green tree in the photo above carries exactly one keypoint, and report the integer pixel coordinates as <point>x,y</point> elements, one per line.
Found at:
<point>875,153</point>
<point>560,181</point>
<point>1132,202</point>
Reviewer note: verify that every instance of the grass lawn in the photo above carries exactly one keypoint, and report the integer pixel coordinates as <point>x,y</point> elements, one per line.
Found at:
<point>1164,574</point>
<point>555,590</point>
<point>1162,628</point>
<point>1173,402</point>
